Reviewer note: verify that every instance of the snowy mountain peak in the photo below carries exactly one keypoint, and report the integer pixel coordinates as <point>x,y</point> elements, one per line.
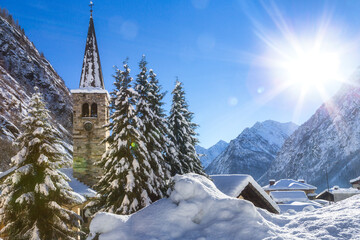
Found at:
<point>274,132</point>
<point>253,150</point>
<point>208,155</point>
<point>91,75</point>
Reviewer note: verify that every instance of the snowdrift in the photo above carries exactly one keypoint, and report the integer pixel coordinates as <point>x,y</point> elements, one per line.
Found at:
<point>197,210</point>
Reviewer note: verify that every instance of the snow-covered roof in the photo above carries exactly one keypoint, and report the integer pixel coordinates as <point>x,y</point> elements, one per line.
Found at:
<point>337,190</point>
<point>78,186</point>
<point>91,74</point>
<point>289,196</point>
<point>233,184</point>
<point>289,184</point>
<point>339,193</point>
<point>355,180</point>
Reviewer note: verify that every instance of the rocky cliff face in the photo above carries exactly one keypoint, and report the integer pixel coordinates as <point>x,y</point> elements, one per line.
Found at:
<point>22,68</point>
<point>330,140</point>
<point>253,150</point>
<point>208,155</point>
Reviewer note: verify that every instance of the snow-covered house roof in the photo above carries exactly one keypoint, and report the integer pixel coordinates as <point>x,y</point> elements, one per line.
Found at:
<point>91,74</point>
<point>78,186</point>
<point>289,184</point>
<point>355,180</point>
<point>336,194</point>
<point>289,196</point>
<point>244,186</point>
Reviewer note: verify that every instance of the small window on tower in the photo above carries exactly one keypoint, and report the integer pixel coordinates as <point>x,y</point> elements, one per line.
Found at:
<point>94,110</point>
<point>85,110</point>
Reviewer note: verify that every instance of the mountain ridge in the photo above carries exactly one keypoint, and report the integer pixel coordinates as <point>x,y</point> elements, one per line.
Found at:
<point>253,150</point>
<point>208,155</point>
<point>328,141</point>
<point>22,68</point>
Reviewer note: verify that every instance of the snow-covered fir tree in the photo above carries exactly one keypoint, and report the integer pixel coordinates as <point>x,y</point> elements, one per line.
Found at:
<point>170,152</point>
<point>34,196</point>
<point>183,133</point>
<point>154,137</point>
<point>129,182</point>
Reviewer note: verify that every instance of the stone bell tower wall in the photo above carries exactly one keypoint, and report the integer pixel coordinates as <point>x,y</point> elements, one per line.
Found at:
<point>88,132</point>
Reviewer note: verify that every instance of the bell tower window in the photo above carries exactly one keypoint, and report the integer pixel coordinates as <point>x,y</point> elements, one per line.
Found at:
<point>85,110</point>
<point>94,110</point>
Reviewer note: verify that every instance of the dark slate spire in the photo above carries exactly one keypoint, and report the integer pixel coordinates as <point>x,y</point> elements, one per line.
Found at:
<point>91,74</point>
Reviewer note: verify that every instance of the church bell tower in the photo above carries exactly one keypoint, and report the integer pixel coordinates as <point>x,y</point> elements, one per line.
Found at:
<point>91,113</point>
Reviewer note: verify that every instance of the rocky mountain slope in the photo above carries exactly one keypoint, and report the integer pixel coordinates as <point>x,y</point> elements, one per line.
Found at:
<point>22,68</point>
<point>208,155</point>
<point>330,140</point>
<point>253,150</point>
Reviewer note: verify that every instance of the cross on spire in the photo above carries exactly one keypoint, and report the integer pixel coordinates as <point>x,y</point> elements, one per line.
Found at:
<point>91,7</point>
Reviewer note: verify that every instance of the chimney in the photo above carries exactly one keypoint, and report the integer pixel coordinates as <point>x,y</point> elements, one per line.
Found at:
<point>272,182</point>
<point>301,180</point>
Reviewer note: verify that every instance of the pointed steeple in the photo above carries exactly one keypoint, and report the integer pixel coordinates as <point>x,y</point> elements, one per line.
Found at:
<point>91,74</point>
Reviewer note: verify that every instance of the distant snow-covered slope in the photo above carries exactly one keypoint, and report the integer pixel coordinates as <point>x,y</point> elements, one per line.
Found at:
<point>253,150</point>
<point>208,155</point>
<point>330,140</point>
<point>21,68</point>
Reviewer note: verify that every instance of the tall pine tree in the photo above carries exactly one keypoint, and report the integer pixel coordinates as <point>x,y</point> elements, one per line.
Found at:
<point>183,133</point>
<point>152,133</point>
<point>170,153</point>
<point>33,197</point>
<point>128,181</point>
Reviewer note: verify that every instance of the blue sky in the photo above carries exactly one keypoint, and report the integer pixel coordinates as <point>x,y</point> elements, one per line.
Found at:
<point>229,54</point>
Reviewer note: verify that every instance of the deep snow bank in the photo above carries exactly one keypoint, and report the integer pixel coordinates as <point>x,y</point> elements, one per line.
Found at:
<point>196,209</point>
<point>334,222</point>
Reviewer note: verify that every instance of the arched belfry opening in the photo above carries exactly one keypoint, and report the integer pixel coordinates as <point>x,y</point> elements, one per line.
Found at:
<point>94,112</point>
<point>85,110</point>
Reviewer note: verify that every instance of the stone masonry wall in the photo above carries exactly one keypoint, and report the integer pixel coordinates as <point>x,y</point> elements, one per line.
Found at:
<point>87,143</point>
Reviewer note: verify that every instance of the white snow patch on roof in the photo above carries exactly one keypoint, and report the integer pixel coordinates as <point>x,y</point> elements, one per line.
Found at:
<point>289,184</point>
<point>355,180</point>
<point>289,196</point>
<point>233,184</point>
<point>78,186</point>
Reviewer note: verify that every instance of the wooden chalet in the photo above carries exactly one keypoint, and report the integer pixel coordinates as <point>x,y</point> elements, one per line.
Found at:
<point>291,185</point>
<point>243,186</point>
<point>355,183</point>
<point>336,194</point>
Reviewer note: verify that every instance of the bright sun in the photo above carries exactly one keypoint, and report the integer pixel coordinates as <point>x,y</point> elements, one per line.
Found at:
<point>312,68</point>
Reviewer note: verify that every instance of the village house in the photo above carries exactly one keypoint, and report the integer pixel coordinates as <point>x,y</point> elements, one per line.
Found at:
<point>291,185</point>
<point>336,194</point>
<point>243,186</point>
<point>355,182</point>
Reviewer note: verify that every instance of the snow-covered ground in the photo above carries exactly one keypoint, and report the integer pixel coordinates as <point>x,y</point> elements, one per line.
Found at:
<point>197,210</point>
